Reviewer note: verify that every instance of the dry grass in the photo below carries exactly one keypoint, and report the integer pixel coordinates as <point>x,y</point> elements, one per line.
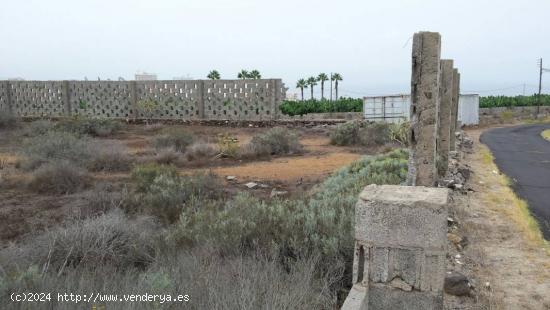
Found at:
<point>201,151</point>
<point>517,209</point>
<point>111,239</point>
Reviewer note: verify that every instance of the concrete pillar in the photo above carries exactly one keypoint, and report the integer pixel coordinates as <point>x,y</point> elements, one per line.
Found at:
<point>201,99</point>
<point>400,248</point>
<point>446,103</point>
<point>454,109</point>
<point>133,101</point>
<point>66,99</point>
<point>9,104</point>
<point>424,108</point>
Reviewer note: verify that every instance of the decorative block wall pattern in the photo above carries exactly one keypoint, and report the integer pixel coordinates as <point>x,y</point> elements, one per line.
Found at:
<point>253,100</point>
<point>4,96</point>
<point>37,98</point>
<point>176,99</point>
<point>107,99</point>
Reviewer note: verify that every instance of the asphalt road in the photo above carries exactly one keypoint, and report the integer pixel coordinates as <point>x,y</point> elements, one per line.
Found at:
<point>524,156</point>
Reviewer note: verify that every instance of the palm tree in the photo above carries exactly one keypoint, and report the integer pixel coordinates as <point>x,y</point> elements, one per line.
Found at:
<point>312,81</point>
<point>301,84</point>
<point>243,74</point>
<point>322,78</point>
<point>255,74</point>
<point>213,75</point>
<point>336,77</point>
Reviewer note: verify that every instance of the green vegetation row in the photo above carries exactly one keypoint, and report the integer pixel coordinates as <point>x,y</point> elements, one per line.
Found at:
<point>321,106</point>
<point>515,101</point>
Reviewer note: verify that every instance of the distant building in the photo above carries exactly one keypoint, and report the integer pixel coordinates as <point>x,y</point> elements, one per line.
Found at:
<point>292,97</point>
<point>144,76</point>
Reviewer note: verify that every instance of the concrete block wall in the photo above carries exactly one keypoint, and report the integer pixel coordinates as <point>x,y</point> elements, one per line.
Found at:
<point>254,100</point>
<point>400,248</point>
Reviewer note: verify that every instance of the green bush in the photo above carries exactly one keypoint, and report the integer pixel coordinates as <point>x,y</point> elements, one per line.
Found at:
<point>321,106</point>
<point>169,195</point>
<point>346,134</point>
<point>176,138</point>
<point>513,101</point>
<point>55,146</point>
<point>369,134</point>
<point>89,126</point>
<point>59,177</point>
<point>293,227</point>
<point>276,141</point>
<point>144,175</point>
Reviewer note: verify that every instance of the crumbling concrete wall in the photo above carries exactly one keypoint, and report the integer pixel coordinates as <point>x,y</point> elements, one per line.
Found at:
<point>400,248</point>
<point>445,111</point>
<point>256,100</point>
<point>425,100</point>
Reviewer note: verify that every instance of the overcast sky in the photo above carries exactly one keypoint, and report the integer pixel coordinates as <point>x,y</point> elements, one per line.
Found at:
<point>495,44</point>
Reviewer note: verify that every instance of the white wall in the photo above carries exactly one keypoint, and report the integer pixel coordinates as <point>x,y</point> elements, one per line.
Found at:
<point>397,107</point>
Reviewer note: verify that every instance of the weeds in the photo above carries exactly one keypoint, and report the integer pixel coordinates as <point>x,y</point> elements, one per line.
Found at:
<point>110,158</point>
<point>59,177</point>
<point>55,146</point>
<point>202,150</point>
<point>276,141</point>
<point>89,126</point>
<point>178,139</point>
<point>144,175</point>
<point>8,120</point>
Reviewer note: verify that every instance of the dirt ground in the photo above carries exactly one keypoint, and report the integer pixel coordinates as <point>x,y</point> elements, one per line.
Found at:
<point>23,211</point>
<point>507,260</point>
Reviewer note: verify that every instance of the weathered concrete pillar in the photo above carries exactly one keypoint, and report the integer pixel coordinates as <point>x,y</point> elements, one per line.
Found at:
<point>424,108</point>
<point>201,99</point>
<point>66,99</point>
<point>400,248</point>
<point>8,101</point>
<point>446,103</point>
<point>133,100</point>
<point>454,109</point>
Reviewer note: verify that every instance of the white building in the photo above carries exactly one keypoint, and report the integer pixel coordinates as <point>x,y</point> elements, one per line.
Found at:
<point>144,76</point>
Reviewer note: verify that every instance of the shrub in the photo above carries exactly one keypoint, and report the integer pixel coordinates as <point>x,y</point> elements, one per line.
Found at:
<point>59,177</point>
<point>110,158</point>
<point>293,227</point>
<point>374,134</point>
<point>8,120</point>
<point>211,281</point>
<point>399,132</point>
<point>54,146</point>
<point>174,138</point>
<point>104,197</point>
<point>321,106</point>
<point>167,156</point>
<point>39,127</point>
<point>228,146</point>
<point>276,141</point>
<point>346,134</point>
<point>168,195</point>
<point>369,134</point>
<point>514,101</point>
<point>144,175</point>
<point>201,150</point>
<point>109,239</point>
<point>89,126</point>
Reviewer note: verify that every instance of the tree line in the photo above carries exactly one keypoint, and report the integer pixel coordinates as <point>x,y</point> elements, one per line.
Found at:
<point>321,78</point>
<point>243,75</point>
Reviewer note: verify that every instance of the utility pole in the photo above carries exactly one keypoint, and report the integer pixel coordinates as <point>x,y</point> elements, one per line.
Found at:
<point>540,86</point>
